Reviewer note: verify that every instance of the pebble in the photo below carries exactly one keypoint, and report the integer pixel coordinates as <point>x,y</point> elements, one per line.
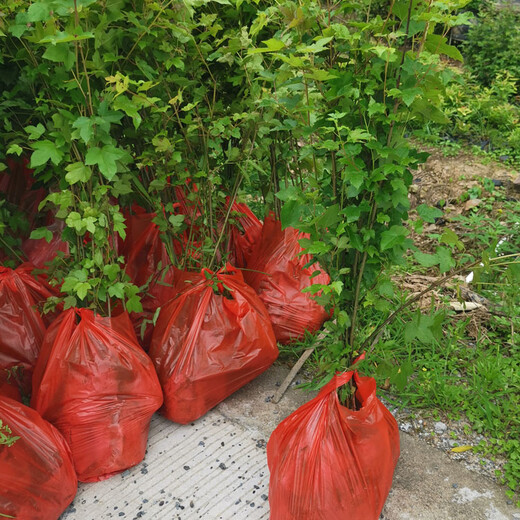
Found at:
<point>406,427</point>
<point>440,427</point>
<point>446,434</point>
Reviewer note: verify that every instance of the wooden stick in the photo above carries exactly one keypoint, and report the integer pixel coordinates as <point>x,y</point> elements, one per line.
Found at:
<point>292,374</point>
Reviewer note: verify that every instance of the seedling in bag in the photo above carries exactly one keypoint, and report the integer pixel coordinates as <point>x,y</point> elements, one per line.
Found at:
<point>328,461</point>
<point>97,386</point>
<point>209,341</point>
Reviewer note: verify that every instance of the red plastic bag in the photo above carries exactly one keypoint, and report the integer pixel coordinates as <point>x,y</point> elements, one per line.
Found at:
<point>208,342</point>
<point>37,477</point>
<point>39,252</point>
<point>147,262</point>
<point>96,385</point>
<point>21,327</point>
<point>328,462</point>
<point>10,385</point>
<point>278,275</point>
<point>244,233</point>
<point>143,249</point>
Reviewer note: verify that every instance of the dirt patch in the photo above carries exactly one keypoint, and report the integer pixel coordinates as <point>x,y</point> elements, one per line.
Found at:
<point>446,180</point>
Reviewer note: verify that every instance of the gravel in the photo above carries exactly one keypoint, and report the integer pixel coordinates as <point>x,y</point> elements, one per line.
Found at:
<point>446,434</point>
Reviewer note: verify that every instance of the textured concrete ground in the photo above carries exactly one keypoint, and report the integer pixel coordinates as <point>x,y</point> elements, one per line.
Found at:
<point>216,469</point>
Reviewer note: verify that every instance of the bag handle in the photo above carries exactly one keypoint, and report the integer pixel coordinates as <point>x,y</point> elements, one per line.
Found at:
<point>340,378</point>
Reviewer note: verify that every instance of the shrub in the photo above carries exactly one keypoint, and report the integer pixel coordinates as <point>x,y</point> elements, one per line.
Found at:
<point>493,44</point>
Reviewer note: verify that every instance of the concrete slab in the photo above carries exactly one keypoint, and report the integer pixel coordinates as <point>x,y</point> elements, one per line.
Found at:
<point>216,469</point>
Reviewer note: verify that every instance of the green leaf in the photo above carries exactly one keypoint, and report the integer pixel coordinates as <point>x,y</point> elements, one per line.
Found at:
<point>386,288</point>
<point>60,54</point>
<point>14,149</point>
<point>395,236</point>
<point>446,262</point>
<point>77,172</point>
<point>119,224</point>
<point>426,259</point>
<point>38,12</point>
<point>410,94</point>
<point>105,158</point>
<point>451,238</point>
<point>42,232</point>
<point>271,45</point>
<point>436,44</point>
<point>85,127</point>
<point>43,151</point>
<point>292,213</point>
<point>64,37</point>
<point>288,193</point>
<point>117,290</point>
<point>176,221</point>
<point>35,132</point>
<point>75,221</point>
<point>318,46</point>
<point>359,135</point>
<point>130,109</point>
<point>400,377</point>
<point>81,289</point>
<point>429,213</point>
<point>133,304</point>
<point>112,271</point>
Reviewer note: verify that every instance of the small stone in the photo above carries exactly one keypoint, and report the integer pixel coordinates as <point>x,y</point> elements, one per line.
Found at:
<point>186,468</point>
<point>406,427</point>
<point>454,486</point>
<point>440,427</point>
<point>222,466</point>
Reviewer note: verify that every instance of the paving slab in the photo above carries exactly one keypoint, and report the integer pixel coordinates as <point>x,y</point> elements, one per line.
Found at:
<point>216,469</point>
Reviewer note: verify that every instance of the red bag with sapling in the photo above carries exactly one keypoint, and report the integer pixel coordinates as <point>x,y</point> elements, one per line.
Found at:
<point>244,232</point>
<point>328,462</point>
<point>37,477</point>
<point>21,327</point>
<point>208,342</point>
<point>277,272</point>
<point>97,386</point>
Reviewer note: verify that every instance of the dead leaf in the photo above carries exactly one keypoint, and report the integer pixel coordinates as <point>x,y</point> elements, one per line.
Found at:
<point>471,203</point>
<point>461,449</point>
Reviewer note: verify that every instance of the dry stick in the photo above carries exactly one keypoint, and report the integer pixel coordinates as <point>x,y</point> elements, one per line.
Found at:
<point>295,369</point>
<point>374,337</point>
